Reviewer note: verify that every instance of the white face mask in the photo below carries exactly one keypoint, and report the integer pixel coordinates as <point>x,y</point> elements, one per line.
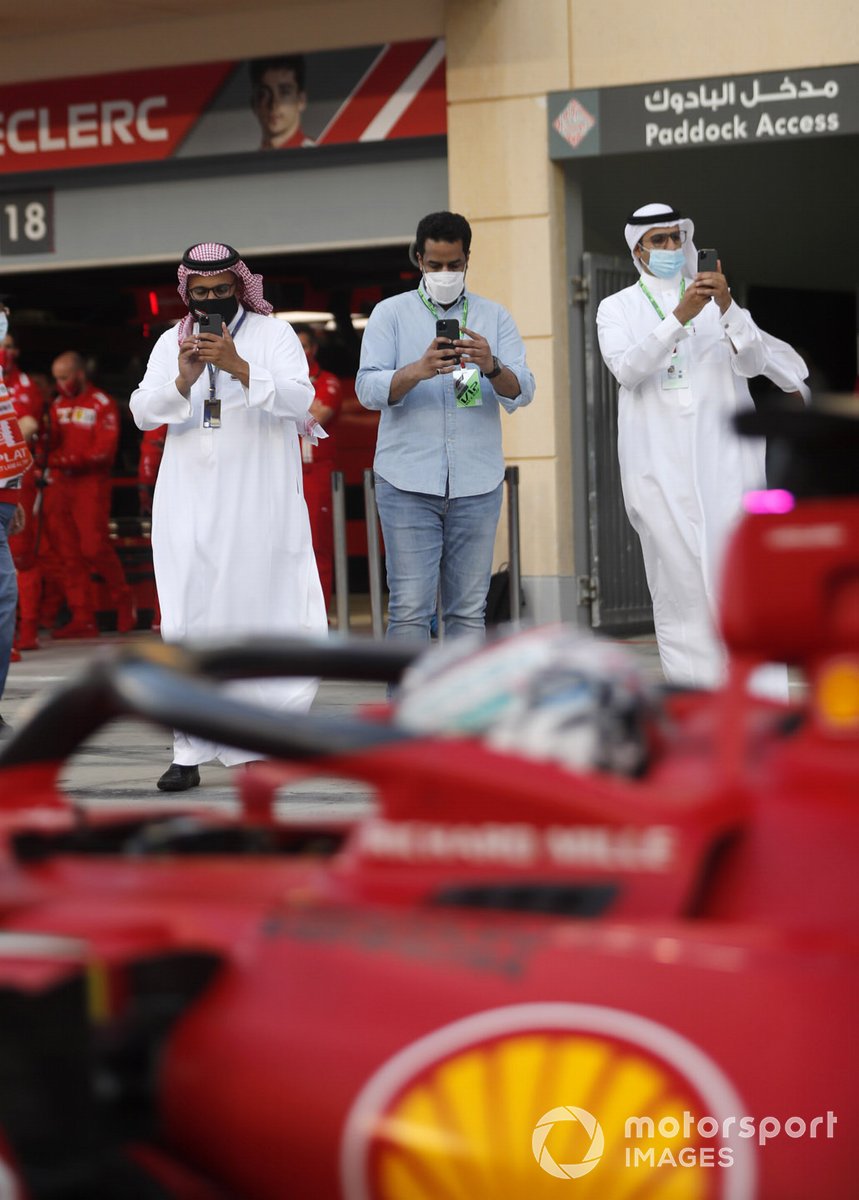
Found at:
<point>444,286</point>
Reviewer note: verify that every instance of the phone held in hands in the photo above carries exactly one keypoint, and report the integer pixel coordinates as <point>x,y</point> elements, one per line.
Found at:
<point>448,327</point>
<point>708,260</point>
<point>212,323</point>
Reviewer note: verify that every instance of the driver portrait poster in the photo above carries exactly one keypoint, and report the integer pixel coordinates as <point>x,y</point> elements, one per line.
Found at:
<point>286,101</point>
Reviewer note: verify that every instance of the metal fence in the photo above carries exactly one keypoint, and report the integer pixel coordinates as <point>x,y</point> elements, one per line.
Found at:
<point>617,586</point>
<point>374,550</point>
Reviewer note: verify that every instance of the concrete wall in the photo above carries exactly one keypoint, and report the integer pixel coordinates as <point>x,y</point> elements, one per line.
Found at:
<point>502,59</point>
<point>629,42</point>
<point>142,36</point>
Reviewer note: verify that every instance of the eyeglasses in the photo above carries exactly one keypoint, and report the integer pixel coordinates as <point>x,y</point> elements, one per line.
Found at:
<point>220,290</point>
<point>658,241</point>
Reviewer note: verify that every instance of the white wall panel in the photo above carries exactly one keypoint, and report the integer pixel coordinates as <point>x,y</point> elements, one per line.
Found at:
<point>325,205</point>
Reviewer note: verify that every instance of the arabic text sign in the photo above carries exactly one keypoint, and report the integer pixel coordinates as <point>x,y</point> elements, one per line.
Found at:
<point>722,111</point>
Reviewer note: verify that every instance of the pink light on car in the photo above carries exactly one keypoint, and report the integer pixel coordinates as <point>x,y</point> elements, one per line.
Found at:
<point>771,500</point>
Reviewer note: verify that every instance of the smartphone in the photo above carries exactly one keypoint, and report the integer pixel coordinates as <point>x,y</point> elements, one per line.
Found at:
<point>708,260</point>
<point>448,327</point>
<point>211,323</point>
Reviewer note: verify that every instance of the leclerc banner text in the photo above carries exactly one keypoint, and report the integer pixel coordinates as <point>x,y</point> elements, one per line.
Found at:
<point>368,94</point>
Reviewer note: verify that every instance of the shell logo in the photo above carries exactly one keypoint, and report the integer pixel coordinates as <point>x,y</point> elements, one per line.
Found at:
<point>837,695</point>
<point>544,1127</point>
<point>457,1114</point>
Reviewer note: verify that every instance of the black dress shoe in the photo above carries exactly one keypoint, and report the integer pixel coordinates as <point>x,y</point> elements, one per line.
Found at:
<point>178,778</point>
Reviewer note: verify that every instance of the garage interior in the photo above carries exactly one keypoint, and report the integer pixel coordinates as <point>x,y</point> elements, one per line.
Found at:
<point>113,315</point>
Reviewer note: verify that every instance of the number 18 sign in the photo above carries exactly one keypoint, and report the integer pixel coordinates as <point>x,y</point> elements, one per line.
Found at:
<point>27,223</point>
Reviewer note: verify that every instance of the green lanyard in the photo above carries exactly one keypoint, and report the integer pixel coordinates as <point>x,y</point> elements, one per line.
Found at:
<point>434,310</point>
<point>659,311</point>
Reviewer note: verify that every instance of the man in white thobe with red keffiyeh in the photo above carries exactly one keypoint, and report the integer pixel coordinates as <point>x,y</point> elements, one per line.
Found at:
<point>230,532</point>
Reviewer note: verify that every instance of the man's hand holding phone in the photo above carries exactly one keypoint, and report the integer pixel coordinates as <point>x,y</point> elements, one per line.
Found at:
<point>709,284</point>
<point>446,334</point>
<point>190,365</point>
<point>209,347</point>
<point>212,335</point>
<point>469,350</point>
<point>440,357</point>
<point>477,352</point>
<point>711,280</point>
<point>219,349</point>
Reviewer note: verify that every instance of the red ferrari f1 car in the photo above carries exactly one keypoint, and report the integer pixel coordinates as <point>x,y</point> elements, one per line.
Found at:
<point>516,978</point>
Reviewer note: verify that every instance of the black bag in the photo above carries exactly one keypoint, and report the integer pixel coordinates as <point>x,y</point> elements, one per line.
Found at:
<point>498,597</point>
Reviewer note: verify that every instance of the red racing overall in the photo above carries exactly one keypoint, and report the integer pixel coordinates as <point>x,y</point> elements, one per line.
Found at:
<point>318,465</point>
<point>27,401</point>
<point>84,432</point>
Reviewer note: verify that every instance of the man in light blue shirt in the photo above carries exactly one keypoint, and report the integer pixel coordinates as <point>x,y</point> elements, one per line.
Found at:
<point>439,464</point>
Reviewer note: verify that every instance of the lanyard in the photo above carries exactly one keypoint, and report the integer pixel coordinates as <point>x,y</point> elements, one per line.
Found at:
<point>212,406</point>
<point>434,310</point>
<point>659,311</point>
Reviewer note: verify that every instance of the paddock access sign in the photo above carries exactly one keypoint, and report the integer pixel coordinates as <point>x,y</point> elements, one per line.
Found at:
<point>688,113</point>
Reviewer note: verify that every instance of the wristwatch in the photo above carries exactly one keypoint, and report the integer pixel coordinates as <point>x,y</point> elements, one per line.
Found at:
<point>497,368</point>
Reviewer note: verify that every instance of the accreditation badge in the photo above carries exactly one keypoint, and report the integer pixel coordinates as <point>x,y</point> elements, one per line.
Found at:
<point>676,374</point>
<point>466,387</point>
<point>212,413</point>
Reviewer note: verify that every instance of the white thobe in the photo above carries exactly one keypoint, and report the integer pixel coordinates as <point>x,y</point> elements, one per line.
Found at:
<point>683,468</point>
<point>230,532</point>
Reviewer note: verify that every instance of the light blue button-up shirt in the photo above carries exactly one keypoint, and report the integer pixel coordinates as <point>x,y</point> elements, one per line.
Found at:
<point>425,443</point>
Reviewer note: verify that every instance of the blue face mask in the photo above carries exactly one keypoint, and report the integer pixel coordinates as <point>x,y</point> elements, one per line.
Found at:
<point>665,263</point>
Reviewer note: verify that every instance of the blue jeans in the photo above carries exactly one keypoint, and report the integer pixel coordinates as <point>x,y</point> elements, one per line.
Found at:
<point>432,541</point>
<point>8,593</point>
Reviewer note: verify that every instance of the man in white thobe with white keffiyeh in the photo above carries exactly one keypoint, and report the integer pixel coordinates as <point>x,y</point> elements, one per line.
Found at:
<point>683,351</point>
<point>230,532</point>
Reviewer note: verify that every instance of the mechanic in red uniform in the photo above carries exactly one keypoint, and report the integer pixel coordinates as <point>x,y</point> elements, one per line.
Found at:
<point>151,452</point>
<point>28,403</point>
<point>84,432</point>
<point>318,460</point>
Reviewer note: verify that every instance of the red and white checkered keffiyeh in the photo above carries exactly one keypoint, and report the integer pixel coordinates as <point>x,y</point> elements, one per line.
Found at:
<point>215,258</point>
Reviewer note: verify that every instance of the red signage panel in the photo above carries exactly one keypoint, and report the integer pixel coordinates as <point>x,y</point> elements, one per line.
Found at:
<point>283,102</point>
<point>103,119</point>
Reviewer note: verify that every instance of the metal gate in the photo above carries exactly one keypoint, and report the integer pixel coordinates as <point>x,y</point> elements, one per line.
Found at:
<point>617,588</point>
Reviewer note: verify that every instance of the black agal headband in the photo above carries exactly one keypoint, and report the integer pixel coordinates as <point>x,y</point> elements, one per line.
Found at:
<point>655,218</point>
<point>207,265</point>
